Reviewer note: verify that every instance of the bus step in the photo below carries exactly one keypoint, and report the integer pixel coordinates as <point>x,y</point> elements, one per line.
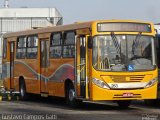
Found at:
<point>81,98</point>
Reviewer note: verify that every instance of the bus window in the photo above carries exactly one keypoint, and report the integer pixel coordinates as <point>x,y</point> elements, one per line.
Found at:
<point>69,45</point>
<point>21,48</point>
<point>32,47</point>
<point>4,48</point>
<point>55,45</point>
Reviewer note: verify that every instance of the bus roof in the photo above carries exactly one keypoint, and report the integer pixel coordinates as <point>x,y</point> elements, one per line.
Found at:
<point>77,25</point>
<point>50,29</point>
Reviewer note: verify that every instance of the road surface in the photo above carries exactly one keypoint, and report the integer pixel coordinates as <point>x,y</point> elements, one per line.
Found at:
<point>56,109</point>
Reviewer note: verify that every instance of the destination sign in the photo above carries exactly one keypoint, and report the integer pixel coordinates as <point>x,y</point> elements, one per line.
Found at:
<point>123,27</point>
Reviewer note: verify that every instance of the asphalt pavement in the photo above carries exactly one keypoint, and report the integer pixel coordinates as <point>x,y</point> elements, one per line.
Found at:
<point>56,109</point>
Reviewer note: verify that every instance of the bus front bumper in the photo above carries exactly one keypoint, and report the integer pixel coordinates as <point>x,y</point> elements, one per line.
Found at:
<point>99,93</point>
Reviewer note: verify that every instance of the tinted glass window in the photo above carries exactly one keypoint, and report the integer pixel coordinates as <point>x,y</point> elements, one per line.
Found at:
<point>32,47</point>
<point>69,44</point>
<point>55,45</point>
<point>4,48</point>
<point>21,48</point>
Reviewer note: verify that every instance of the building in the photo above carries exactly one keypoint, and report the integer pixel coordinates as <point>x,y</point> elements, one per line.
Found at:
<point>16,19</point>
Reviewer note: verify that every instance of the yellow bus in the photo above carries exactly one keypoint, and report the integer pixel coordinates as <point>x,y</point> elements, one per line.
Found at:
<point>112,60</point>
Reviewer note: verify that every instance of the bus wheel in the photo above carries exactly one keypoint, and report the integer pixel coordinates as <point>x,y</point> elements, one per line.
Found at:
<point>22,89</point>
<point>70,97</point>
<point>124,103</point>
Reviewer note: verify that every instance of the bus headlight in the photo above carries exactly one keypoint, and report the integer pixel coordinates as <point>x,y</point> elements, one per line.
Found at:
<point>151,83</point>
<point>100,83</point>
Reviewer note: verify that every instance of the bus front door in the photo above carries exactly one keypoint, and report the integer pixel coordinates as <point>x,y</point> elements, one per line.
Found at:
<point>12,46</point>
<point>44,63</point>
<point>81,74</point>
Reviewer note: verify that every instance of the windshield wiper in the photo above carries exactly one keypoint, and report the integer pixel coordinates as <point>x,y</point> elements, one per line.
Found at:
<point>136,43</point>
<point>115,42</point>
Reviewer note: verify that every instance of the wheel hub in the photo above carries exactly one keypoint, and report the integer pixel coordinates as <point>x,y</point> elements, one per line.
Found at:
<point>71,95</point>
<point>22,91</point>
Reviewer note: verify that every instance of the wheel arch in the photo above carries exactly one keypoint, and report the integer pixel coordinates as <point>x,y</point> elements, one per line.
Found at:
<point>21,79</point>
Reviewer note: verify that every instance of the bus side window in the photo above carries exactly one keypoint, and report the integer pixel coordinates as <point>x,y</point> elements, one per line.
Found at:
<point>69,44</point>
<point>32,47</point>
<point>21,47</point>
<point>4,48</point>
<point>55,45</point>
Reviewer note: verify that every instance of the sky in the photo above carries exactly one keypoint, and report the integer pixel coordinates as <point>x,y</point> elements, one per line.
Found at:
<point>87,10</point>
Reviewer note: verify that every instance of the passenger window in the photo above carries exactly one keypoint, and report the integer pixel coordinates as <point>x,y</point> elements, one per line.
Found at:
<point>55,45</point>
<point>32,47</point>
<point>4,48</point>
<point>69,45</point>
<point>21,48</point>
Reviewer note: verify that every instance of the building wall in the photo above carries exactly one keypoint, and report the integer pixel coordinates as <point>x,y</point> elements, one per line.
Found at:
<point>18,24</point>
<point>29,12</point>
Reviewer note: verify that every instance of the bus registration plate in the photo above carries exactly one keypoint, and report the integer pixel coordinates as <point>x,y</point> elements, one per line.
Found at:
<point>127,94</point>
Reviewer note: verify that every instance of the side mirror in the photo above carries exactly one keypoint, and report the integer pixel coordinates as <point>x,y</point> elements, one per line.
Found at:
<point>90,42</point>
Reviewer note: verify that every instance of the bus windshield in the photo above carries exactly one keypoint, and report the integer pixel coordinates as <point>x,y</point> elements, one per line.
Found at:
<point>123,52</point>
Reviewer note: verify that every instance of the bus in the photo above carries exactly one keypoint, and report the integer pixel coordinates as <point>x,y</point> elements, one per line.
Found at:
<point>103,60</point>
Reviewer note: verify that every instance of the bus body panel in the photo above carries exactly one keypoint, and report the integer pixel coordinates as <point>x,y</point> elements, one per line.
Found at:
<point>103,94</point>
<point>28,69</point>
<point>99,93</point>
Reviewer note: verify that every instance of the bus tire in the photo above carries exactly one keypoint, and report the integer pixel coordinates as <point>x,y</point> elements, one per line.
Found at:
<point>70,97</point>
<point>22,90</point>
<point>124,103</point>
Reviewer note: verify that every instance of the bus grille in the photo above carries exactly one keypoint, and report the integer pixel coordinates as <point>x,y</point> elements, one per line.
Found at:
<point>131,78</point>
